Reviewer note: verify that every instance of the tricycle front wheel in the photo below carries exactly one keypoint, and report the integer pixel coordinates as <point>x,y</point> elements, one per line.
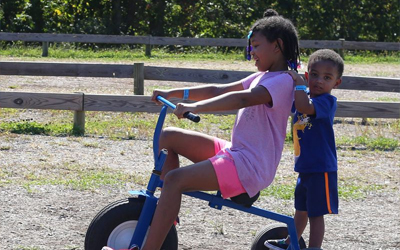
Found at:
<point>114,225</point>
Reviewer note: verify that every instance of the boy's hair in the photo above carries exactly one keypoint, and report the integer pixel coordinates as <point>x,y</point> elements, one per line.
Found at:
<point>327,55</point>
<point>270,12</point>
<point>273,27</point>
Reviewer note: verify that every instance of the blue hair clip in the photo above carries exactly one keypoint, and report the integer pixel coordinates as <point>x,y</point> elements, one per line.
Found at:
<point>292,65</point>
<point>250,34</point>
<point>249,48</point>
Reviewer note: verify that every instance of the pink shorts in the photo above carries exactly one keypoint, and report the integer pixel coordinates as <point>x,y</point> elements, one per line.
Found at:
<point>225,169</point>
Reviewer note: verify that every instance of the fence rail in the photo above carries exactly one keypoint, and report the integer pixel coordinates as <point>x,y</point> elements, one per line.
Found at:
<point>139,103</point>
<point>81,102</point>
<point>45,38</point>
<point>385,84</point>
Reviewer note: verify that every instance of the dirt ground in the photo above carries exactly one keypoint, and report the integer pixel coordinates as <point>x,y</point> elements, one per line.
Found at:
<point>56,216</point>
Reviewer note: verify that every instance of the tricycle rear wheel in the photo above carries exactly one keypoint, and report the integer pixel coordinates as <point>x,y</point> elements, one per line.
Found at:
<point>271,232</point>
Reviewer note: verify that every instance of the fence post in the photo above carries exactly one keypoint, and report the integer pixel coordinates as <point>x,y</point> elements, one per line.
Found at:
<point>148,47</point>
<point>45,49</point>
<point>79,122</point>
<point>138,78</point>
<point>341,50</point>
<point>79,119</point>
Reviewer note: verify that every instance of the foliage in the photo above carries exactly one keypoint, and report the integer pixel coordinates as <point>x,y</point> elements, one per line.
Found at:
<point>355,20</point>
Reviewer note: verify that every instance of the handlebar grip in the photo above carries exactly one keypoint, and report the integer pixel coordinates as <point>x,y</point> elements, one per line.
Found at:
<point>191,116</point>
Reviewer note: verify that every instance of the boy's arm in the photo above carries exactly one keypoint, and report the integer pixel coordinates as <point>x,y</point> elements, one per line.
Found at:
<point>301,100</point>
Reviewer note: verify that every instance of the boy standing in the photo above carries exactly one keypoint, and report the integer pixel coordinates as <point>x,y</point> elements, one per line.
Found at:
<point>316,191</point>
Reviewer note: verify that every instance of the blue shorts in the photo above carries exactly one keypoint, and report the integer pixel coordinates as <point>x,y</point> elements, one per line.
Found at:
<point>317,193</point>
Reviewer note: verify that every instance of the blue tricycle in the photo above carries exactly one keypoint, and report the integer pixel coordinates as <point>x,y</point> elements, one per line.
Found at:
<point>125,222</point>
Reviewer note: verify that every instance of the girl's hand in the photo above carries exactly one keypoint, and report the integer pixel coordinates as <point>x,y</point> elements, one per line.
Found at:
<point>298,80</point>
<point>157,92</point>
<point>182,108</point>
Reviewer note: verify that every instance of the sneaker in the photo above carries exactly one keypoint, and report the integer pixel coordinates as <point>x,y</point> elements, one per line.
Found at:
<point>134,247</point>
<point>276,244</point>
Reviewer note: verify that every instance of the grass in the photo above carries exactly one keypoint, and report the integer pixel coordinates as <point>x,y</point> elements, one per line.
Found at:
<point>348,189</point>
<point>134,53</point>
<point>141,126</point>
<point>120,53</point>
<point>379,143</point>
<point>74,176</point>
<point>110,124</point>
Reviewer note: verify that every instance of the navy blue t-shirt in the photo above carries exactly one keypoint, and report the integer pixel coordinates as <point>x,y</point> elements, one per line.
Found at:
<point>314,139</point>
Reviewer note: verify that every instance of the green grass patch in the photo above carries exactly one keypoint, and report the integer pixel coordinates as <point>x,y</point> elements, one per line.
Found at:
<point>350,191</point>
<point>27,248</point>
<point>78,177</point>
<point>378,143</point>
<point>36,128</point>
<point>280,191</point>
<point>347,190</point>
<point>114,125</point>
<point>5,148</point>
<point>179,53</point>
<point>388,99</point>
<point>122,53</point>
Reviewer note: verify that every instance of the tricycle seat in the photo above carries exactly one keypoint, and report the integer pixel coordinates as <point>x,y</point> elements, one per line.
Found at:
<point>244,199</point>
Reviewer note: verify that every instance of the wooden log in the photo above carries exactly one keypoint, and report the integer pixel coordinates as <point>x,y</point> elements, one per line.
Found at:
<point>79,118</point>
<point>186,41</point>
<point>385,84</point>
<point>190,41</point>
<point>368,109</point>
<point>320,44</point>
<point>139,103</point>
<point>79,122</point>
<point>138,76</point>
<point>66,69</point>
<point>341,50</point>
<point>193,75</point>
<point>172,74</point>
<point>45,49</point>
<point>114,103</point>
<point>371,45</point>
<point>72,38</point>
<point>26,100</point>
<point>148,47</point>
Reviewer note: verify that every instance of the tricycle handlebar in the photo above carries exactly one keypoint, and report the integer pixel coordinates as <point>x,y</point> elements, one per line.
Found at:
<point>187,115</point>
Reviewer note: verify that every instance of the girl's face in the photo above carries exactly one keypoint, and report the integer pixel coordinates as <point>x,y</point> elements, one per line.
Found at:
<point>265,53</point>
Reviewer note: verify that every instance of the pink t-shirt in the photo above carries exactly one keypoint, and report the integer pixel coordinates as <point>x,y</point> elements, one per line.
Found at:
<point>259,131</point>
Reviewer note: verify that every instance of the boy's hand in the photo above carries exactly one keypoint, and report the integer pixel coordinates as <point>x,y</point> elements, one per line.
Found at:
<point>298,80</point>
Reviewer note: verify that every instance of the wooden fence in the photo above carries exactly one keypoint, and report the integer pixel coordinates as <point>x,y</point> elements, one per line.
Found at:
<point>45,38</point>
<point>80,102</point>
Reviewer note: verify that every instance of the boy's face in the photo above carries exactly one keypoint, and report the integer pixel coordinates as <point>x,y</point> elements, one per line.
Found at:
<point>322,77</point>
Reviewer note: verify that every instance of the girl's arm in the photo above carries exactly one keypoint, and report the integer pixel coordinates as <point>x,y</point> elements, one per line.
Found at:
<point>200,92</point>
<point>301,100</point>
<point>228,101</point>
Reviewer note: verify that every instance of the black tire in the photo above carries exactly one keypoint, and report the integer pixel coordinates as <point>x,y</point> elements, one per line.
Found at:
<point>273,231</point>
<point>120,216</point>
